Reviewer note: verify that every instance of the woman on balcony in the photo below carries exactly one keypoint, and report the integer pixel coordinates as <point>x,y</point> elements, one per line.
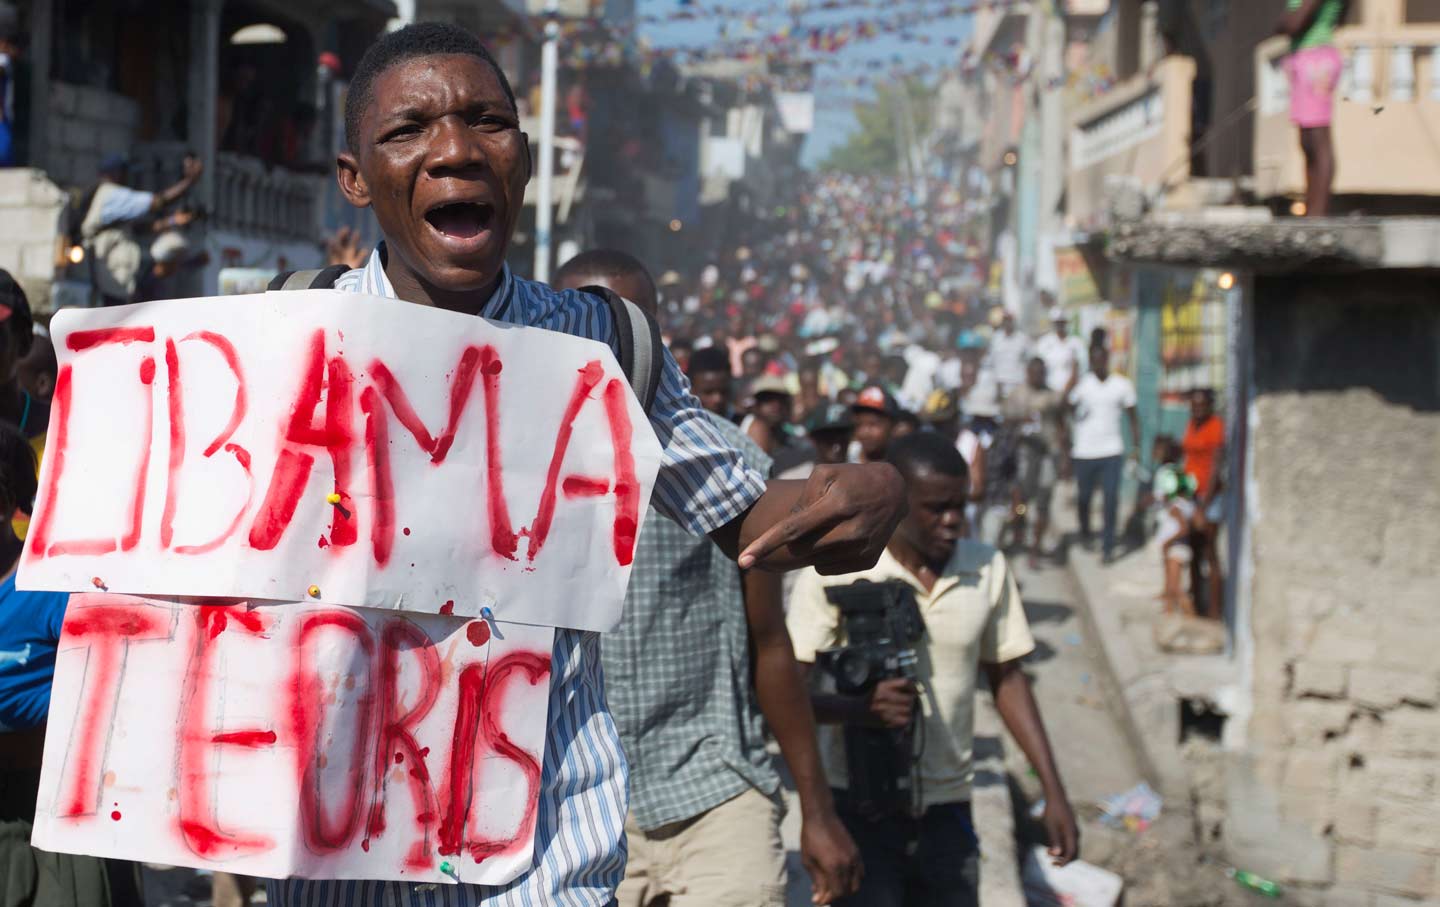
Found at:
<point>1313,69</point>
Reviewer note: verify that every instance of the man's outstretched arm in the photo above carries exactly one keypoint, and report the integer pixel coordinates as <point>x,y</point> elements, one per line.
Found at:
<point>837,521</point>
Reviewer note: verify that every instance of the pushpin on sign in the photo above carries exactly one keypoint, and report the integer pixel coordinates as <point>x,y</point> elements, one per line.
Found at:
<point>201,450</point>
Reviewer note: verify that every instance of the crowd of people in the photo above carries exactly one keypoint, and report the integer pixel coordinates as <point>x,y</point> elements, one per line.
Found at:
<point>838,368</point>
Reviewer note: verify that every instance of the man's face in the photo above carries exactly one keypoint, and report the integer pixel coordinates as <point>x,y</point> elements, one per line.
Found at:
<point>772,409</point>
<point>713,391</point>
<point>936,520</point>
<point>443,163</point>
<point>1100,361</point>
<point>1201,406</point>
<point>752,362</point>
<point>831,447</point>
<point>1062,327</point>
<point>873,430</point>
<point>1035,373</point>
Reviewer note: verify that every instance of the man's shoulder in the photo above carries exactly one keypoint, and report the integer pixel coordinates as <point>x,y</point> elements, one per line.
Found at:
<point>571,311</point>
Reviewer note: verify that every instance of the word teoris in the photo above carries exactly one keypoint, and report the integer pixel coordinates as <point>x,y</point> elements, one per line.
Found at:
<point>380,453</point>
<point>305,739</point>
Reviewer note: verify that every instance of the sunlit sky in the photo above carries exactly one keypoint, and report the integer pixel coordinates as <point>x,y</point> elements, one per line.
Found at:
<point>834,119</point>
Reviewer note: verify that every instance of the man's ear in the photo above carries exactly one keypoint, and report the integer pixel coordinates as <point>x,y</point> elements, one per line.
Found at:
<point>352,184</point>
<point>529,158</point>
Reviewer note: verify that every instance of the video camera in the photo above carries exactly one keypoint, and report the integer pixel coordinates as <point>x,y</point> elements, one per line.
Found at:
<point>882,625</point>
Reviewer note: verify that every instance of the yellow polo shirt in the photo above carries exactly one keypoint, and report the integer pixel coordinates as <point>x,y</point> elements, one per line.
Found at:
<point>973,615</point>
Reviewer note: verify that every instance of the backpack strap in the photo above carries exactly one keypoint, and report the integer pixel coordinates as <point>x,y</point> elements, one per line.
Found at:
<point>308,279</point>
<point>642,352</point>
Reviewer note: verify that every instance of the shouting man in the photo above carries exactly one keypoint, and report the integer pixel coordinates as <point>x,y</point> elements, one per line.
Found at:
<point>435,150</point>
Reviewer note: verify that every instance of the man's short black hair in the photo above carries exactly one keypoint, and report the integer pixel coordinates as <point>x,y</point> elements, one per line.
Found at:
<point>423,39</point>
<point>610,263</point>
<point>710,359</point>
<point>20,323</point>
<point>17,470</point>
<point>924,451</point>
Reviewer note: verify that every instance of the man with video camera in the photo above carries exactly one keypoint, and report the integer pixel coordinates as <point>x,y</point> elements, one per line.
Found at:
<point>899,647</point>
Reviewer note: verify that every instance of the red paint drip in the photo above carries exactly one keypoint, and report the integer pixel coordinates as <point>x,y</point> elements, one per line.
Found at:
<point>627,486</point>
<point>382,484</point>
<point>406,530</point>
<point>115,815</point>
<point>448,607</point>
<point>252,739</point>
<point>324,542</point>
<point>584,486</point>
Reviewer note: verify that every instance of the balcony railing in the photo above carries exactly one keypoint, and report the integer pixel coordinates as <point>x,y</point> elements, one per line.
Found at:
<point>1386,127</point>
<point>250,198</point>
<point>1136,136</point>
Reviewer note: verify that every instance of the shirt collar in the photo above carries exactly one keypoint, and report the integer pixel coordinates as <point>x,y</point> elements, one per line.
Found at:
<point>376,282</point>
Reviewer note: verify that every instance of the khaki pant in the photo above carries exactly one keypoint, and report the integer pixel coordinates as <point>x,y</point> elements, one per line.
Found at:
<point>730,856</point>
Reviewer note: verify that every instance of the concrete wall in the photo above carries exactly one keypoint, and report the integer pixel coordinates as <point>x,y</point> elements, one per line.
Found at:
<point>85,124</point>
<point>1336,794</point>
<point>29,226</point>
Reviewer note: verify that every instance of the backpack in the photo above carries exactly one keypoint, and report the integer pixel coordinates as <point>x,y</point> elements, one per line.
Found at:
<point>637,334</point>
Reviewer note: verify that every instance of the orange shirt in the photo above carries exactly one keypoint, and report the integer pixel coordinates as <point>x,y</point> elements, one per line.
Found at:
<point>1202,445</point>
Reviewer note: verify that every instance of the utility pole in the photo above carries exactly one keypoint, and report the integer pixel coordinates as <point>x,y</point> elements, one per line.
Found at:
<point>549,61</point>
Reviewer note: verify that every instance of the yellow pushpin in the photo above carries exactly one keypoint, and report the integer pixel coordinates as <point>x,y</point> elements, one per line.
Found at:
<point>313,591</point>
<point>333,497</point>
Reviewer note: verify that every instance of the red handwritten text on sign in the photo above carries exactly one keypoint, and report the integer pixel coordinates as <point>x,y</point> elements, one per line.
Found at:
<point>305,739</point>
<point>367,451</point>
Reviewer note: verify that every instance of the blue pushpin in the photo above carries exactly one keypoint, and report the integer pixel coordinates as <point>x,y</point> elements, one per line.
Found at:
<point>487,614</point>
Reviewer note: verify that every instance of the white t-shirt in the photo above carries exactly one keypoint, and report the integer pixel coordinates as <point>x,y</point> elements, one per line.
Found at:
<point>1008,355</point>
<point>1061,354</point>
<point>1099,407</point>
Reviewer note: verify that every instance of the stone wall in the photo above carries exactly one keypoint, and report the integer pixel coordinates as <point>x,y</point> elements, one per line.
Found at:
<point>86,124</point>
<point>30,206</point>
<point>1337,794</point>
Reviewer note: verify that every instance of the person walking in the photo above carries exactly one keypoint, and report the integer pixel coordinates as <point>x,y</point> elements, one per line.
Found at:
<point>925,853</point>
<point>1098,402</point>
<point>701,654</point>
<point>1064,354</point>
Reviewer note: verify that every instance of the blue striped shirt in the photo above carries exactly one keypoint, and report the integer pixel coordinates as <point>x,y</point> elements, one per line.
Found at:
<point>580,826</point>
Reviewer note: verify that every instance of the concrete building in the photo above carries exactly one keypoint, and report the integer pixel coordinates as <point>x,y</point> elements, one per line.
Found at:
<point>239,82</point>
<point>1330,683</point>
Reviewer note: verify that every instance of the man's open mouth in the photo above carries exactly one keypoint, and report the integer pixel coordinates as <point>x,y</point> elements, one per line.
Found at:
<point>460,220</point>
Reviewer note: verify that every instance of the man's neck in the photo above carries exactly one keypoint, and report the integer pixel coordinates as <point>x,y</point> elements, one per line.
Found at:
<point>919,566</point>
<point>410,287</point>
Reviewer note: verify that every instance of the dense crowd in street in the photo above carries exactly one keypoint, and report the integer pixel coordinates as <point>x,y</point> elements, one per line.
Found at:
<point>845,368</point>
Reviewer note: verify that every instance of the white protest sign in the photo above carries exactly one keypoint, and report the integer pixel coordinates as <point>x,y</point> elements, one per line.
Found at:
<point>295,739</point>
<point>340,448</point>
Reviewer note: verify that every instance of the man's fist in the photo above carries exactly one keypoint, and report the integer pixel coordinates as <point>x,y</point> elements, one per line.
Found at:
<point>892,703</point>
<point>840,523</point>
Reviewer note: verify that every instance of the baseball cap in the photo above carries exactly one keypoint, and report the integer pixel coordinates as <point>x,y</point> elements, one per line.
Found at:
<point>769,384</point>
<point>1058,314</point>
<point>113,163</point>
<point>876,399</point>
<point>830,417</point>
